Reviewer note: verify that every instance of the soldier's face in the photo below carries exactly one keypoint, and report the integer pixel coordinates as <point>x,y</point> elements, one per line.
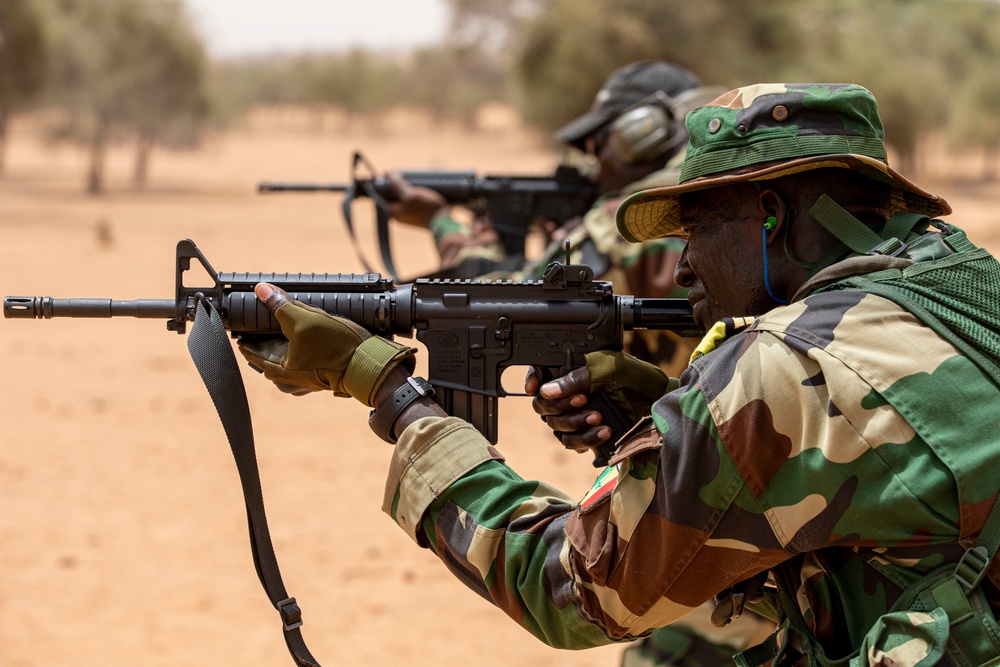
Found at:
<point>722,263</point>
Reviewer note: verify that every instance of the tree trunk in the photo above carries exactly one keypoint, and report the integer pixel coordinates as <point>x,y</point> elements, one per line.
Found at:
<point>140,171</point>
<point>98,147</point>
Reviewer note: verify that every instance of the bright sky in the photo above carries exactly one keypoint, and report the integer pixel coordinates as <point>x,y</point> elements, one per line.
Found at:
<point>250,27</point>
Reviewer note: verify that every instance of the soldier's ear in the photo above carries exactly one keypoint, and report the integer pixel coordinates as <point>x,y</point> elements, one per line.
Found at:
<point>773,212</point>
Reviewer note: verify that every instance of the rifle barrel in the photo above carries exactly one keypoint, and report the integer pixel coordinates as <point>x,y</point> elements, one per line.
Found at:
<point>300,187</point>
<point>666,313</point>
<point>45,307</point>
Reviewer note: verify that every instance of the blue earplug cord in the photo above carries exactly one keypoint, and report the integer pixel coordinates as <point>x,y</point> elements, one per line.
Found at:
<point>767,278</point>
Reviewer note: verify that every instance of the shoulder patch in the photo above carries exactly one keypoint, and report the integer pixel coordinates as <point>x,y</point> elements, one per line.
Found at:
<point>602,488</point>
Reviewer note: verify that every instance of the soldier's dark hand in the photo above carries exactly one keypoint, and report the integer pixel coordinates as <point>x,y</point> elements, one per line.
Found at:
<point>413,205</point>
<point>561,404</point>
<point>318,350</point>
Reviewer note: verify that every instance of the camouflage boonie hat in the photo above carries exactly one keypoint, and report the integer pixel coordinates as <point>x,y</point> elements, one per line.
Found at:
<point>784,128</point>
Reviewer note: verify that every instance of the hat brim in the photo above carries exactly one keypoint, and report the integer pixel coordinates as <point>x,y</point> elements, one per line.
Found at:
<point>655,213</point>
<point>576,131</point>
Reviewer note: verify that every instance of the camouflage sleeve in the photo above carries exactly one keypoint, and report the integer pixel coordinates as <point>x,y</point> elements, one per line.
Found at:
<point>501,535</point>
<point>563,570</point>
<point>456,241</point>
<point>730,476</point>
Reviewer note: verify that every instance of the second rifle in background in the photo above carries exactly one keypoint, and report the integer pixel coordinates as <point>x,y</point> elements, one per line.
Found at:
<point>514,205</point>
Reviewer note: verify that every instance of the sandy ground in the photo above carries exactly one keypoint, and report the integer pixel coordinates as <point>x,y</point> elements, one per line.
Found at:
<point>122,530</point>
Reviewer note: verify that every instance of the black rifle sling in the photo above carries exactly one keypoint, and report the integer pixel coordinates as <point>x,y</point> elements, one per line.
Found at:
<point>349,196</point>
<point>366,188</point>
<point>216,362</point>
<point>382,223</point>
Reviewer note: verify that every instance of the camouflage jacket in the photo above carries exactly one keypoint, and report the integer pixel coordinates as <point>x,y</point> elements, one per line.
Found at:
<point>835,441</point>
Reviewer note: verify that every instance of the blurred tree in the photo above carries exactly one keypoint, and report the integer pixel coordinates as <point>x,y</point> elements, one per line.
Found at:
<point>490,25</point>
<point>125,68</point>
<point>886,47</point>
<point>975,121</point>
<point>453,82</point>
<point>913,54</point>
<point>237,85</point>
<point>569,48</point>
<point>167,104</point>
<point>971,57</point>
<point>23,55</point>
<point>358,82</point>
<point>917,56</point>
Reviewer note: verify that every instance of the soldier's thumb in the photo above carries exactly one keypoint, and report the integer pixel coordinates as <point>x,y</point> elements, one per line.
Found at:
<point>271,296</point>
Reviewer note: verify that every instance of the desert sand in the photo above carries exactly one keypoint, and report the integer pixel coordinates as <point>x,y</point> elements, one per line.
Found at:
<point>122,532</point>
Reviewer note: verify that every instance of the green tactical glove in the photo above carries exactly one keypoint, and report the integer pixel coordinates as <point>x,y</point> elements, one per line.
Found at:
<point>323,352</point>
<point>631,384</point>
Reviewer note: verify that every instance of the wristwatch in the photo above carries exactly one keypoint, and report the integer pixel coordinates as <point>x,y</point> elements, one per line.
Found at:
<point>383,420</point>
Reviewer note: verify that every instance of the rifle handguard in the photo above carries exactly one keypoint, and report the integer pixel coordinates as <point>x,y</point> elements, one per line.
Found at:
<point>383,420</point>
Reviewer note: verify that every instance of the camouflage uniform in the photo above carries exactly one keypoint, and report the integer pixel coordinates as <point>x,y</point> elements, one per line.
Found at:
<point>793,474</point>
<point>839,443</point>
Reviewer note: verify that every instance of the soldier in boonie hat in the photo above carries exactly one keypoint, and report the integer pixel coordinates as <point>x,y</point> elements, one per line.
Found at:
<point>766,131</point>
<point>830,463</point>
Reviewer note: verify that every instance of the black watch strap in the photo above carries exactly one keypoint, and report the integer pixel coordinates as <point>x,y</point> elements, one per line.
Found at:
<point>383,420</point>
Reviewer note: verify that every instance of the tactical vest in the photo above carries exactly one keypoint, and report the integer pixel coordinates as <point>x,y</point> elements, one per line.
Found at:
<point>943,618</point>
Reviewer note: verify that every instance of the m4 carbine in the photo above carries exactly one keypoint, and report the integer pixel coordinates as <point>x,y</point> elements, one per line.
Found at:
<point>473,330</point>
<point>512,203</point>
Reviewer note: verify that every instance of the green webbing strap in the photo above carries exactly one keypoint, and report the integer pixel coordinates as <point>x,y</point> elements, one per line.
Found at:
<point>845,227</point>
<point>975,563</point>
<point>854,235</point>
<point>958,240</point>
<point>902,224</point>
<point>766,651</point>
<point>761,654</point>
<point>990,535</point>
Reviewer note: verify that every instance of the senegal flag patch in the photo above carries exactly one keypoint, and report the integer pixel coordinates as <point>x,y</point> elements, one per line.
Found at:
<point>602,488</point>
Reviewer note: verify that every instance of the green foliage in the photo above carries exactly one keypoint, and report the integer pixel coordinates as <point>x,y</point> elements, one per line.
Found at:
<point>126,69</point>
<point>448,81</point>
<point>23,53</point>
<point>917,56</point>
<point>975,119</point>
<point>453,81</point>
<point>23,56</point>
<point>356,82</point>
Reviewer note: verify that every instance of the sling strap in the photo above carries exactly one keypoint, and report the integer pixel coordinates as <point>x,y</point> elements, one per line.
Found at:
<point>366,188</point>
<point>216,363</point>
